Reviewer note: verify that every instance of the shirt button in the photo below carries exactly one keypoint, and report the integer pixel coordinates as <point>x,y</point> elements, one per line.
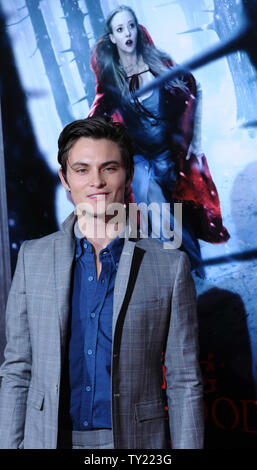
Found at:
<point>85,245</point>
<point>90,352</point>
<point>90,278</point>
<point>88,388</point>
<point>85,423</point>
<point>92,314</point>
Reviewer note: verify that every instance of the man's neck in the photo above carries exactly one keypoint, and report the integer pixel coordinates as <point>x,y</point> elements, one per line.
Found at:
<point>100,231</point>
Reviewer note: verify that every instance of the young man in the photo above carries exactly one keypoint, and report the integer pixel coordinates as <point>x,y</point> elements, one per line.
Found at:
<point>91,320</point>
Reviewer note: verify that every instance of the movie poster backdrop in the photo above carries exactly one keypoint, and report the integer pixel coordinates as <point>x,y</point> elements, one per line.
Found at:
<point>46,82</point>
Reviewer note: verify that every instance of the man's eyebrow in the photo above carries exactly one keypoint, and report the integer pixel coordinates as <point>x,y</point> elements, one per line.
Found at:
<point>109,162</point>
<point>78,164</point>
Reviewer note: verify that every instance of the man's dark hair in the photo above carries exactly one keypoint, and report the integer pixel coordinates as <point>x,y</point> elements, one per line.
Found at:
<point>96,128</point>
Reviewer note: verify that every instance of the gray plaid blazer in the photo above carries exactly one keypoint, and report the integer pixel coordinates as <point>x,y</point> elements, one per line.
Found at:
<point>154,317</point>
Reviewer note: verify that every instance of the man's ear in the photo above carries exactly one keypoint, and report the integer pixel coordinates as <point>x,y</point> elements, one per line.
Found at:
<point>63,180</point>
<point>112,38</point>
<point>128,183</point>
<point>128,188</point>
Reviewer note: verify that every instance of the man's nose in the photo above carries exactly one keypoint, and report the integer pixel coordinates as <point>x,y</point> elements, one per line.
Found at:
<point>97,179</point>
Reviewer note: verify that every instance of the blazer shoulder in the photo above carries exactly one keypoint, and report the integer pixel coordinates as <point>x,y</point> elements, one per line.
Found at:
<point>155,248</point>
<point>66,232</point>
<point>41,244</point>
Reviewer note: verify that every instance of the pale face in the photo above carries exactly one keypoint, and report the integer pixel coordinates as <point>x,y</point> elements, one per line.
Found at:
<point>124,32</point>
<point>95,174</point>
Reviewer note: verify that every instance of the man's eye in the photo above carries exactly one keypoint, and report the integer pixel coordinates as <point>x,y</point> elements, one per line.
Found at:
<point>81,171</point>
<point>111,168</point>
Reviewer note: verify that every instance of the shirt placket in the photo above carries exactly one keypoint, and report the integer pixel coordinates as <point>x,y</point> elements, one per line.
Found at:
<point>96,293</point>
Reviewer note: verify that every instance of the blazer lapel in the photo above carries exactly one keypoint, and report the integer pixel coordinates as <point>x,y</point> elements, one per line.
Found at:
<point>64,250</point>
<point>125,269</point>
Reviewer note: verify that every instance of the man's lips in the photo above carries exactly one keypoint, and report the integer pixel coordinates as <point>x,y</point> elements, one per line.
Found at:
<point>97,195</point>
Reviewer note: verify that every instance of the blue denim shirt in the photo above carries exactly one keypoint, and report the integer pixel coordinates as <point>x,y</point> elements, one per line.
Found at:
<point>90,344</point>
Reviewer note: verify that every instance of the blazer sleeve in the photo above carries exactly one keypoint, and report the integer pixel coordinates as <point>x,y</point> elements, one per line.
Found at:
<point>182,370</point>
<point>16,369</point>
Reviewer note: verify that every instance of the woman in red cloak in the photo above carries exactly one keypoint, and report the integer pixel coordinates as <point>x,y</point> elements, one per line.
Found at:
<point>164,126</point>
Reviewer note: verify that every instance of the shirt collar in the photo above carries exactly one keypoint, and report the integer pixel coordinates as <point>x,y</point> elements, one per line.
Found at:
<point>113,249</point>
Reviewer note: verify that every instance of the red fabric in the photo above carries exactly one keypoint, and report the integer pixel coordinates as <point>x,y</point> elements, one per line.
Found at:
<point>197,191</point>
<point>195,185</point>
<point>146,35</point>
